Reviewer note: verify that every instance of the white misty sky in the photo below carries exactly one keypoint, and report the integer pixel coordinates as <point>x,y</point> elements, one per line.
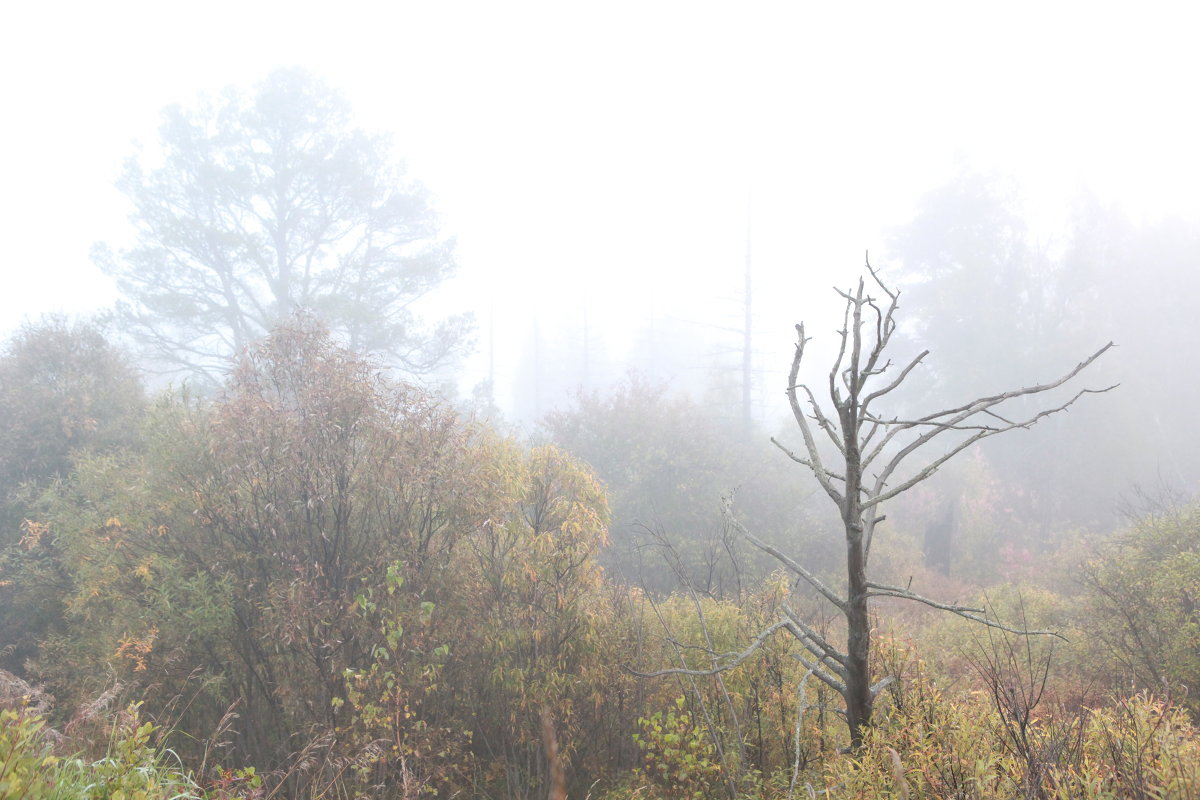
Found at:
<point>600,156</point>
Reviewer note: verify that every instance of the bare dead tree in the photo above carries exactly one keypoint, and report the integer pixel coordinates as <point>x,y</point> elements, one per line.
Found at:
<point>871,461</point>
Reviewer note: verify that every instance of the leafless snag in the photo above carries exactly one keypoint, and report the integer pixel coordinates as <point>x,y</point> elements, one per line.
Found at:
<point>872,454</point>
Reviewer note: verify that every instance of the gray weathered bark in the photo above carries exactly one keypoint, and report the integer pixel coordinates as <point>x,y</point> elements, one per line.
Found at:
<point>865,442</point>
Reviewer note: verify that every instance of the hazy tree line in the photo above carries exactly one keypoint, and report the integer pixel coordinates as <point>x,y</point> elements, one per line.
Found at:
<point>997,307</point>
<point>299,561</point>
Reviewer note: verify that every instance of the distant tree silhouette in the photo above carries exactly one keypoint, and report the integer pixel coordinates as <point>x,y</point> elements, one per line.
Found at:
<point>270,203</point>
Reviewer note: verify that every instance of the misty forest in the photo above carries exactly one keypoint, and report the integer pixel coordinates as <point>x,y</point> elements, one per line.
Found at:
<point>289,520</point>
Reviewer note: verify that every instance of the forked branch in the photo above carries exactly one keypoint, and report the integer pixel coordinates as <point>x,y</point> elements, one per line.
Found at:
<point>800,571</point>
<point>879,494</point>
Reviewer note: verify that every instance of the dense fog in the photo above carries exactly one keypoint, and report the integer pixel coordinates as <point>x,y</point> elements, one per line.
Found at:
<point>408,401</point>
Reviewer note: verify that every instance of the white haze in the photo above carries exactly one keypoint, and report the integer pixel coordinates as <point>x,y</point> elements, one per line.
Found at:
<point>597,160</point>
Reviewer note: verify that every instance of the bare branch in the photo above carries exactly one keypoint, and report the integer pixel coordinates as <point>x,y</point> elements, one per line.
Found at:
<point>984,432</point>
<point>967,612</point>
<point>844,333</point>
<point>866,440</point>
<point>885,325</point>
<point>893,296</point>
<point>810,445</point>
<point>872,372</point>
<point>953,416</point>
<point>691,679</point>
<point>934,424</point>
<point>894,384</point>
<point>809,633</point>
<point>997,416</point>
<point>804,461</point>
<point>824,659</point>
<point>810,578</point>
<point>732,659</point>
<point>983,403</point>
<point>823,422</point>
<point>854,384</point>
<point>816,668</point>
<point>869,534</point>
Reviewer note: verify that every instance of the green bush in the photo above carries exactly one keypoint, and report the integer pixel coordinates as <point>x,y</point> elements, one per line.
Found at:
<point>133,769</point>
<point>678,756</point>
<point>27,766</point>
<point>1143,605</point>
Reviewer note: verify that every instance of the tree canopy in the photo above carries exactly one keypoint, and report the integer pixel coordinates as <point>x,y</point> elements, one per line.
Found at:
<point>63,388</point>
<point>270,202</point>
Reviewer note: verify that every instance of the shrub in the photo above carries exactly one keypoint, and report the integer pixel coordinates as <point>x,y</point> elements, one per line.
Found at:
<point>678,756</point>
<point>133,769</point>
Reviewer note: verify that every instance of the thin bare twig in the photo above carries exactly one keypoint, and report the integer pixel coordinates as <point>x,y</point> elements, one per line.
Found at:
<point>788,562</point>
<point>967,612</point>
<point>731,659</point>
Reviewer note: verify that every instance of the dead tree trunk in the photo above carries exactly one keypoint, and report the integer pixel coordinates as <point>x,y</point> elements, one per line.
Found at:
<point>869,465</point>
